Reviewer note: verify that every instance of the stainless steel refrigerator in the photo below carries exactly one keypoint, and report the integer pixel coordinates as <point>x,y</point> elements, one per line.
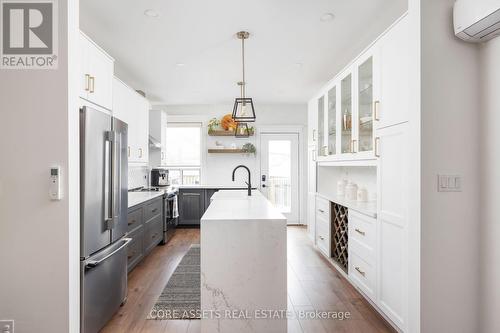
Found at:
<point>103,217</point>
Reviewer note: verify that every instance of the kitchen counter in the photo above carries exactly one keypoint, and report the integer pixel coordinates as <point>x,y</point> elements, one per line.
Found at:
<point>250,234</point>
<point>214,186</point>
<point>368,208</point>
<point>136,198</point>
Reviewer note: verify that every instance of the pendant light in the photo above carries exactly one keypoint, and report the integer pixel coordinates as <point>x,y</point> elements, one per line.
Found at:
<point>243,110</point>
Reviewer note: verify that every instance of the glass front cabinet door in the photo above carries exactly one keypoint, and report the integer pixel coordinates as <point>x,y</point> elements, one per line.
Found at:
<point>346,137</point>
<point>331,121</point>
<point>365,105</point>
<point>321,126</point>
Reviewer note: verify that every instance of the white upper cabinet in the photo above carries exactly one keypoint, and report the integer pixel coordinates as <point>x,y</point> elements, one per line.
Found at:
<point>158,132</point>
<point>312,121</point>
<point>394,83</point>
<point>372,92</point>
<point>133,108</point>
<point>96,74</point>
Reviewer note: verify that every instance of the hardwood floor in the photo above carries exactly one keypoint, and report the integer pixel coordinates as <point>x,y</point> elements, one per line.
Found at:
<point>312,285</point>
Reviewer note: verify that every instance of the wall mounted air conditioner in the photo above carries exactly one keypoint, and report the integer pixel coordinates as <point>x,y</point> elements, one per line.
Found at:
<point>476,20</point>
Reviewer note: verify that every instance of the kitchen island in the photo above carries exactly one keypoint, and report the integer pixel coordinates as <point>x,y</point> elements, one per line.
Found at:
<point>243,265</point>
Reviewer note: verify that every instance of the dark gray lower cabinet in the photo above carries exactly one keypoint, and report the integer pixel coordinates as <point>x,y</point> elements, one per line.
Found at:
<point>191,206</point>
<point>208,194</point>
<point>145,227</point>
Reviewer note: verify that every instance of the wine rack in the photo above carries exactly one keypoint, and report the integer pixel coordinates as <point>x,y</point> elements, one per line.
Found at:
<point>340,235</point>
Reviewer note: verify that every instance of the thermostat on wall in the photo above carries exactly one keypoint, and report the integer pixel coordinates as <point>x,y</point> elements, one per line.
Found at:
<point>55,183</point>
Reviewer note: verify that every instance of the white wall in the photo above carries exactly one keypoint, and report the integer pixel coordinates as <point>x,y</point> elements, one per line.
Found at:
<point>39,239</point>
<point>449,143</point>
<point>490,186</point>
<point>365,177</point>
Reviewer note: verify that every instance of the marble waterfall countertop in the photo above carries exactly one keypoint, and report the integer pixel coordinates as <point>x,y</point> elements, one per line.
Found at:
<point>243,265</point>
<point>136,198</point>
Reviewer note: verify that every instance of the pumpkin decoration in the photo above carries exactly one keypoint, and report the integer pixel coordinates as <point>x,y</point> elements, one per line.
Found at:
<point>228,123</point>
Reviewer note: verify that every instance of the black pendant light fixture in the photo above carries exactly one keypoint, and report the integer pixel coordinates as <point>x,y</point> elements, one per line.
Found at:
<point>243,110</point>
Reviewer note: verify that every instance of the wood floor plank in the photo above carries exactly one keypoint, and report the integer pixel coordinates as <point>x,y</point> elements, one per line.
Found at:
<point>313,284</point>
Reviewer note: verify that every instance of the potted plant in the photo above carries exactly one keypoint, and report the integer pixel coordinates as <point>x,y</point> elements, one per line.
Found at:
<point>213,124</point>
<point>249,148</point>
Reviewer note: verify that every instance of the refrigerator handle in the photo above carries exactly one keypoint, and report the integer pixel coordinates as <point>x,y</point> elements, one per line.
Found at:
<point>117,178</point>
<point>94,263</point>
<point>108,180</point>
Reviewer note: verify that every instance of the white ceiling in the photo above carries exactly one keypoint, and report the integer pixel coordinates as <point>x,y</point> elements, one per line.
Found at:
<point>200,34</point>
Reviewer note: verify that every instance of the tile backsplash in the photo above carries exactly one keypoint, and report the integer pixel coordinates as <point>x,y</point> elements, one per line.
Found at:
<point>138,176</point>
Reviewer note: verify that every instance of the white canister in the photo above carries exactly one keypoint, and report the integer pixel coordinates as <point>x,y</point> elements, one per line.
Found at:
<point>341,184</point>
<point>362,195</point>
<point>351,191</point>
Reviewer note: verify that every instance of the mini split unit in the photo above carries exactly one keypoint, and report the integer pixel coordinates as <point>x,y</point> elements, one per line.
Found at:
<point>476,20</point>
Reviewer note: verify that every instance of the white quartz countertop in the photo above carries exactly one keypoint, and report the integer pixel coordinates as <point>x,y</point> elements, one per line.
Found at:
<point>236,205</point>
<point>136,198</point>
<point>214,186</point>
<point>368,208</point>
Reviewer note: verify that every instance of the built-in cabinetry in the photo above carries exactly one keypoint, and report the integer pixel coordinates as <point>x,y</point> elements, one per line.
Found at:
<point>133,108</point>
<point>158,134</point>
<point>145,227</point>
<point>191,206</point>
<point>96,74</point>
<point>323,226</point>
<point>360,118</point>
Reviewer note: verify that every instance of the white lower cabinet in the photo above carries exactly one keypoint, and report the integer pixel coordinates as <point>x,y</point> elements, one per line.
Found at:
<point>363,253</point>
<point>323,226</point>
<point>392,222</point>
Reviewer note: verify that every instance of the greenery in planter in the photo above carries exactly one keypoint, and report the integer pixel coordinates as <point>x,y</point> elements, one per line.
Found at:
<point>249,148</point>
<point>213,124</point>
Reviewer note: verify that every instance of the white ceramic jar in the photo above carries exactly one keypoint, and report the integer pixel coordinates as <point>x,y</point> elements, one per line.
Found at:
<point>362,195</point>
<point>341,184</point>
<point>351,191</point>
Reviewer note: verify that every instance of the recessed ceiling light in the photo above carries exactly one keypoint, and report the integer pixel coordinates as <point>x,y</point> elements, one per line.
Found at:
<point>327,17</point>
<point>180,64</point>
<point>151,13</point>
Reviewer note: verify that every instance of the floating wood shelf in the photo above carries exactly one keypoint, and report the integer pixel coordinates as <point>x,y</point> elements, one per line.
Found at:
<point>224,133</point>
<point>227,151</point>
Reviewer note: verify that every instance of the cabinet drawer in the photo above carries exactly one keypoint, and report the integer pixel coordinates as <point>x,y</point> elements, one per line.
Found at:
<point>362,228</point>
<point>322,208</point>
<point>135,247</point>
<point>134,219</point>
<point>323,238</point>
<point>153,233</point>
<point>152,209</point>
<point>363,274</point>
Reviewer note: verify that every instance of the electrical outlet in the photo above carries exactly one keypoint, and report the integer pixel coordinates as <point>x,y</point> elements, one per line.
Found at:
<point>449,183</point>
<point>6,326</point>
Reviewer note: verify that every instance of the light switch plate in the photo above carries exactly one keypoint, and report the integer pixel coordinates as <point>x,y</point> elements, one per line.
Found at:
<point>6,326</point>
<point>449,183</point>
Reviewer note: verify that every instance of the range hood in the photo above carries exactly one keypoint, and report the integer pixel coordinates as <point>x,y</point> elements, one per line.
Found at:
<point>154,143</point>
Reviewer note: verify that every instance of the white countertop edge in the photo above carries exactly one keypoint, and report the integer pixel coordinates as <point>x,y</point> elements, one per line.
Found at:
<point>215,186</point>
<point>368,208</point>
<point>141,197</point>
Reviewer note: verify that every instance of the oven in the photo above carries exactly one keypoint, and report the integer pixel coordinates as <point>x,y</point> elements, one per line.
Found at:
<point>171,214</point>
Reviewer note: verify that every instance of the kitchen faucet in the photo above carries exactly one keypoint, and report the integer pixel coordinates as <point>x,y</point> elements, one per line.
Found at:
<point>249,183</point>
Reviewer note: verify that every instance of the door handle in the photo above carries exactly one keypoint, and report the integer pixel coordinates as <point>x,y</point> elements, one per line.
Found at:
<point>94,263</point>
<point>108,181</point>
<point>263,178</point>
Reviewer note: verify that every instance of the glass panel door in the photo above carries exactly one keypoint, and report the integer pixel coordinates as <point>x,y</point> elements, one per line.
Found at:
<point>365,103</point>
<point>332,121</point>
<point>280,173</point>
<point>346,104</point>
<point>321,125</point>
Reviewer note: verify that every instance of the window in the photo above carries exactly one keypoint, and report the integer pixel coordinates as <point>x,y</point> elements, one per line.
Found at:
<point>184,153</point>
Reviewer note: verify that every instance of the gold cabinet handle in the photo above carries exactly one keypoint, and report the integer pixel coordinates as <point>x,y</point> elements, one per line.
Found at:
<point>92,84</point>
<point>140,152</point>
<point>315,155</point>
<point>314,135</point>
<point>359,231</point>
<point>128,152</point>
<point>360,271</point>
<point>87,82</point>
<point>376,106</point>
<point>377,143</point>
<point>353,145</point>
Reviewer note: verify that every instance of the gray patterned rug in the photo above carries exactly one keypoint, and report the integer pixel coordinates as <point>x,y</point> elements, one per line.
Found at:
<point>181,297</point>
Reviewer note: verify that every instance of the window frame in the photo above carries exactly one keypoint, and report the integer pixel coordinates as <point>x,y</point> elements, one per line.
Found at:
<point>181,168</point>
